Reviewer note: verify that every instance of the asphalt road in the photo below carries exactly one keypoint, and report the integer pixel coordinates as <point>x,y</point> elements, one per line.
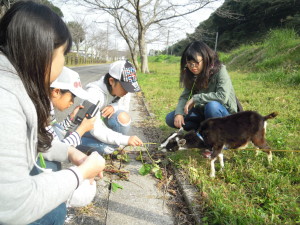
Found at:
<point>87,74</point>
<point>91,73</point>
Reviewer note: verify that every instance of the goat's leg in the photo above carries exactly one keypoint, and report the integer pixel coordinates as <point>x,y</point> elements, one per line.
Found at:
<point>212,167</point>
<point>216,151</point>
<point>221,159</point>
<point>260,142</point>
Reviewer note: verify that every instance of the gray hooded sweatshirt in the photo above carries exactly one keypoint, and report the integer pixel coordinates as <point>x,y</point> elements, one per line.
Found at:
<point>98,92</point>
<point>25,198</point>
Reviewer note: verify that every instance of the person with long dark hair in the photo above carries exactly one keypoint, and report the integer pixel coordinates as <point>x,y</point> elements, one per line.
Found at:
<point>208,91</point>
<point>33,42</point>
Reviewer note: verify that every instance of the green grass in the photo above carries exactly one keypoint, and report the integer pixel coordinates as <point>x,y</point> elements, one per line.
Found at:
<point>278,57</point>
<point>248,191</point>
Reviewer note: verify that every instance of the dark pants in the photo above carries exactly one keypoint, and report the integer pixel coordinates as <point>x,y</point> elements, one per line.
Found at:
<point>196,115</point>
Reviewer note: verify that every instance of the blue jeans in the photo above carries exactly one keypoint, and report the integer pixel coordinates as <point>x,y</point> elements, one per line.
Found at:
<point>90,143</point>
<point>58,215</point>
<point>196,115</point>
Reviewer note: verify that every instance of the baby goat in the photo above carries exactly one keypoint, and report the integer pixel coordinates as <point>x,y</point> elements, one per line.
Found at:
<point>180,141</point>
<point>233,131</point>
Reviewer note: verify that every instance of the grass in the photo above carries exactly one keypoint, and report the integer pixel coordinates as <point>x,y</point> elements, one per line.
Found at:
<point>248,191</point>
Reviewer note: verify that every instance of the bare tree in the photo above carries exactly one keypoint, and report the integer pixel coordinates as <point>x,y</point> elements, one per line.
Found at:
<point>144,14</point>
<point>94,46</point>
<point>127,29</point>
<point>78,33</point>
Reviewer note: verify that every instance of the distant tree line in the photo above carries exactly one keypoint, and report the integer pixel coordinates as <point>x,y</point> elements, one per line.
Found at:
<point>250,21</point>
<point>6,4</point>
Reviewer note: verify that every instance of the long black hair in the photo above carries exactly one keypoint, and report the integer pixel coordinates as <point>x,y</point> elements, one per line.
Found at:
<point>29,33</point>
<point>211,65</point>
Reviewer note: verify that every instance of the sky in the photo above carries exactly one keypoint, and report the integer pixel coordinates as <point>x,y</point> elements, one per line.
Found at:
<point>76,13</point>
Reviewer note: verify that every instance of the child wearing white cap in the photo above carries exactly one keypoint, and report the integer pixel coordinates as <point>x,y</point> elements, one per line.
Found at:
<point>63,90</point>
<point>112,124</point>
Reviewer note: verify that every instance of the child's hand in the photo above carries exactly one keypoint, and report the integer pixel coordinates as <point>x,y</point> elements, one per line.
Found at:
<point>108,111</point>
<point>86,125</point>
<point>75,111</point>
<point>134,141</point>
<point>93,166</point>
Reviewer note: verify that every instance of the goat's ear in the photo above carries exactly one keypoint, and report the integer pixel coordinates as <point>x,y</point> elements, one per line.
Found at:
<point>181,142</point>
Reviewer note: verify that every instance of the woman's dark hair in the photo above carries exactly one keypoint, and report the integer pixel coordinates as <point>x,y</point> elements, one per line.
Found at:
<point>211,65</point>
<point>29,33</point>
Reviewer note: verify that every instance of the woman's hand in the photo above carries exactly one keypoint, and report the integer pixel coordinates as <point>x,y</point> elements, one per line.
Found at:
<point>108,111</point>
<point>134,141</point>
<point>179,121</point>
<point>92,166</point>
<point>190,104</point>
<point>86,125</point>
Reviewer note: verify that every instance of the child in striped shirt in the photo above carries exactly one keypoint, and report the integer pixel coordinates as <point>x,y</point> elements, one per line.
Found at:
<point>63,91</point>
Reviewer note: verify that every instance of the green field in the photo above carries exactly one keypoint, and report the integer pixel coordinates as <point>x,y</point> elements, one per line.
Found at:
<point>266,78</point>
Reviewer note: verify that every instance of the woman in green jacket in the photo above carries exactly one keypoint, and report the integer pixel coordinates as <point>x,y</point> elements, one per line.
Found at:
<point>208,91</point>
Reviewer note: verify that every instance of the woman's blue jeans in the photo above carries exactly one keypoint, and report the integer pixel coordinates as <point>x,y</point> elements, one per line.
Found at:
<point>196,115</point>
<point>89,143</point>
<point>58,215</point>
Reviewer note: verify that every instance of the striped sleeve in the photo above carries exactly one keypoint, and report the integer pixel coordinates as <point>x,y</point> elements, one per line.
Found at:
<point>66,123</point>
<point>73,139</point>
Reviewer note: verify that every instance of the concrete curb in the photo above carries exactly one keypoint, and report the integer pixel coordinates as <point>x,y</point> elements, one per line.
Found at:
<point>190,194</point>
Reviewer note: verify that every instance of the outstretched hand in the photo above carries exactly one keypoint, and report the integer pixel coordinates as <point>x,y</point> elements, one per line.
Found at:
<point>135,141</point>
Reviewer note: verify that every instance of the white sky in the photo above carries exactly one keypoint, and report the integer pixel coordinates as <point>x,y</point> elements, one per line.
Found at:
<point>76,13</point>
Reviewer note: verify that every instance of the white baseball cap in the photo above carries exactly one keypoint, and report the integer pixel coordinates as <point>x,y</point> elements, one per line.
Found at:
<point>125,72</point>
<point>70,80</point>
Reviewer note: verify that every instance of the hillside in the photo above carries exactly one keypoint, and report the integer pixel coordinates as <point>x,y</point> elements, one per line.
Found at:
<point>277,57</point>
<point>244,22</point>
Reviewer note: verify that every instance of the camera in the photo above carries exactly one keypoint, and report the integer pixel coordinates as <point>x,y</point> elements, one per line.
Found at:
<point>88,111</point>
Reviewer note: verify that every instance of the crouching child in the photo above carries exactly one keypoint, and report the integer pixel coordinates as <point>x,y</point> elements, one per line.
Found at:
<point>112,123</point>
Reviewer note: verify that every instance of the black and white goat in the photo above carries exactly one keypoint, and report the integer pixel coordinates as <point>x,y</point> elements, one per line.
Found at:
<point>182,141</point>
<point>233,131</point>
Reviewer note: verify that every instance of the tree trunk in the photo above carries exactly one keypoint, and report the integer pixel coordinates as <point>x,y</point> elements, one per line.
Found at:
<point>135,56</point>
<point>143,53</point>
<point>135,60</point>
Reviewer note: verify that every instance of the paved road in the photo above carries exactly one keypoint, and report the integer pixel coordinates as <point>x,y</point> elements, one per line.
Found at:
<point>91,73</point>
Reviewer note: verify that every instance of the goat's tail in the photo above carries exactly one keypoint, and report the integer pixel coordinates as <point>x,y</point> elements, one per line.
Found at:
<point>271,116</point>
